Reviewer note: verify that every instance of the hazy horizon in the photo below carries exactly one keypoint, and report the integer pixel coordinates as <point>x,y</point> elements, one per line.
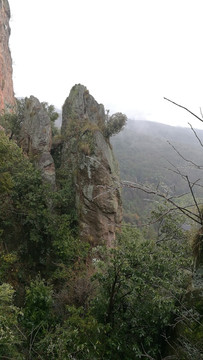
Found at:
<point>130,55</point>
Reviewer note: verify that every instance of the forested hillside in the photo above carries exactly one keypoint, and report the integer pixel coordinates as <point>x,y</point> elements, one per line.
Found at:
<point>63,296</point>
<point>76,281</point>
<point>153,153</point>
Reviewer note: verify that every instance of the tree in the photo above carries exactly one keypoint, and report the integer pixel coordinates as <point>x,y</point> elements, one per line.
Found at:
<point>114,124</point>
<point>12,120</point>
<point>23,207</point>
<point>139,284</point>
<point>51,111</point>
<point>53,115</point>
<point>187,320</point>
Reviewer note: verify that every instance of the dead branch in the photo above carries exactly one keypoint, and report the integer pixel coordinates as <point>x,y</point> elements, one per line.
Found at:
<point>190,184</point>
<point>182,157</point>
<point>200,109</point>
<point>195,217</point>
<point>183,107</point>
<point>194,132</point>
<point>145,354</point>
<point>193,196</point>
<point>177,172</point>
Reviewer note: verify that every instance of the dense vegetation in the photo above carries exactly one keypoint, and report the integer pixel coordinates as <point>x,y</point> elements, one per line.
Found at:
<point>62,299</point>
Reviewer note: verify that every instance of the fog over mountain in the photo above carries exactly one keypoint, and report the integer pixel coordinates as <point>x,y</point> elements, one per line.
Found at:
<point>150,152</point>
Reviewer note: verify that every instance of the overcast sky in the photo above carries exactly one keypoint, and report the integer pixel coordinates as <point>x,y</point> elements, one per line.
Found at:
<point>128,53</point>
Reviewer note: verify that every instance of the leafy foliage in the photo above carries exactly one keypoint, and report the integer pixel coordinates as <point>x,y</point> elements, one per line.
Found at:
<point>38,304</point>
<point>51,111</point>
<point>9,334</point>
<point>10,154</point>
<point>23,204</point>
<point>12,120</point>
<point>80,337</point>
<point>53,115</point>
<point>137,294</point>
<point>106,304</point>
<point>27,222</point>
<point>137,285</point>
<point>114,124</point>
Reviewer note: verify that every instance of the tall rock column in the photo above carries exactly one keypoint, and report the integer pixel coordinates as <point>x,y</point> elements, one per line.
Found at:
<point>7,100</point>
<point>36,138</point>
<point>89,158</point>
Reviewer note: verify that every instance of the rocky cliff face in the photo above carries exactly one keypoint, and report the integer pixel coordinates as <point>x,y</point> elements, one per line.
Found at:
<point>86,152</point>
<point>86,159</point>
<point>88,156</point>
<point>7,100</point>
<point>36,138</point>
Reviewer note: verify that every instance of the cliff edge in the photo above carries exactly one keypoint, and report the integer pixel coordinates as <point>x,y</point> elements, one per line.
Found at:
<point>7,100</point>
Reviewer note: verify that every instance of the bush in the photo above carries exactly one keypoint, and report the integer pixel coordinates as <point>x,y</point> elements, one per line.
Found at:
<point>9,334</point>
<point>38,305</point>
<point>12,120</point>
<point>138,287</point>
<point>114,124</point>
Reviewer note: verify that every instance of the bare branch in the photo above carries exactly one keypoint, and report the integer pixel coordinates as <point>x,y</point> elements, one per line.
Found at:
<point>145,354</point>
<point>176,171</point>
<point>194,198</point>
<point>183,107</point>
<point>160,218</point>
<point>151,191</point>
<point>196,134</point>
<point>185,177</point>
<point>191,186</point>
<point>200,109</point>
<point>182,157</point>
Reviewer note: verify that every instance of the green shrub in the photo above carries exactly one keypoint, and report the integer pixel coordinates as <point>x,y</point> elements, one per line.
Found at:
<point>38,305</point>
<point>138,287</point>
<point>10,336</point>
<point>114,124</point>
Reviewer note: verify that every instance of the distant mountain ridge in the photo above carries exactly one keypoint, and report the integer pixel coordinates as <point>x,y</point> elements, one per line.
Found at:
<point>152,152</point>
<point>168,132</point>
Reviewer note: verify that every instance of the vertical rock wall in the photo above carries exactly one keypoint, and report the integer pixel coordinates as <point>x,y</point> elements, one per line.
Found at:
<point>7,100</point>
<point>86,152</point>
<point>88,156</point>
<point>36,138</point>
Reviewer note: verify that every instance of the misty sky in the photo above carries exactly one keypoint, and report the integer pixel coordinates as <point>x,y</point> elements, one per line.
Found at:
<point>128,53</point>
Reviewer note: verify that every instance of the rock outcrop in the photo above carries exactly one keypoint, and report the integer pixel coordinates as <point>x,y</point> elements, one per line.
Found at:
<point>36,138</point>
<point>88,156</point>
<point>7,100</point>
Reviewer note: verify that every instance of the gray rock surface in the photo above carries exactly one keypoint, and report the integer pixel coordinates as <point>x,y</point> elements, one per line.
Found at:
<point>36,138</point>
<point>7,100</point>
<point>90,160</point>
